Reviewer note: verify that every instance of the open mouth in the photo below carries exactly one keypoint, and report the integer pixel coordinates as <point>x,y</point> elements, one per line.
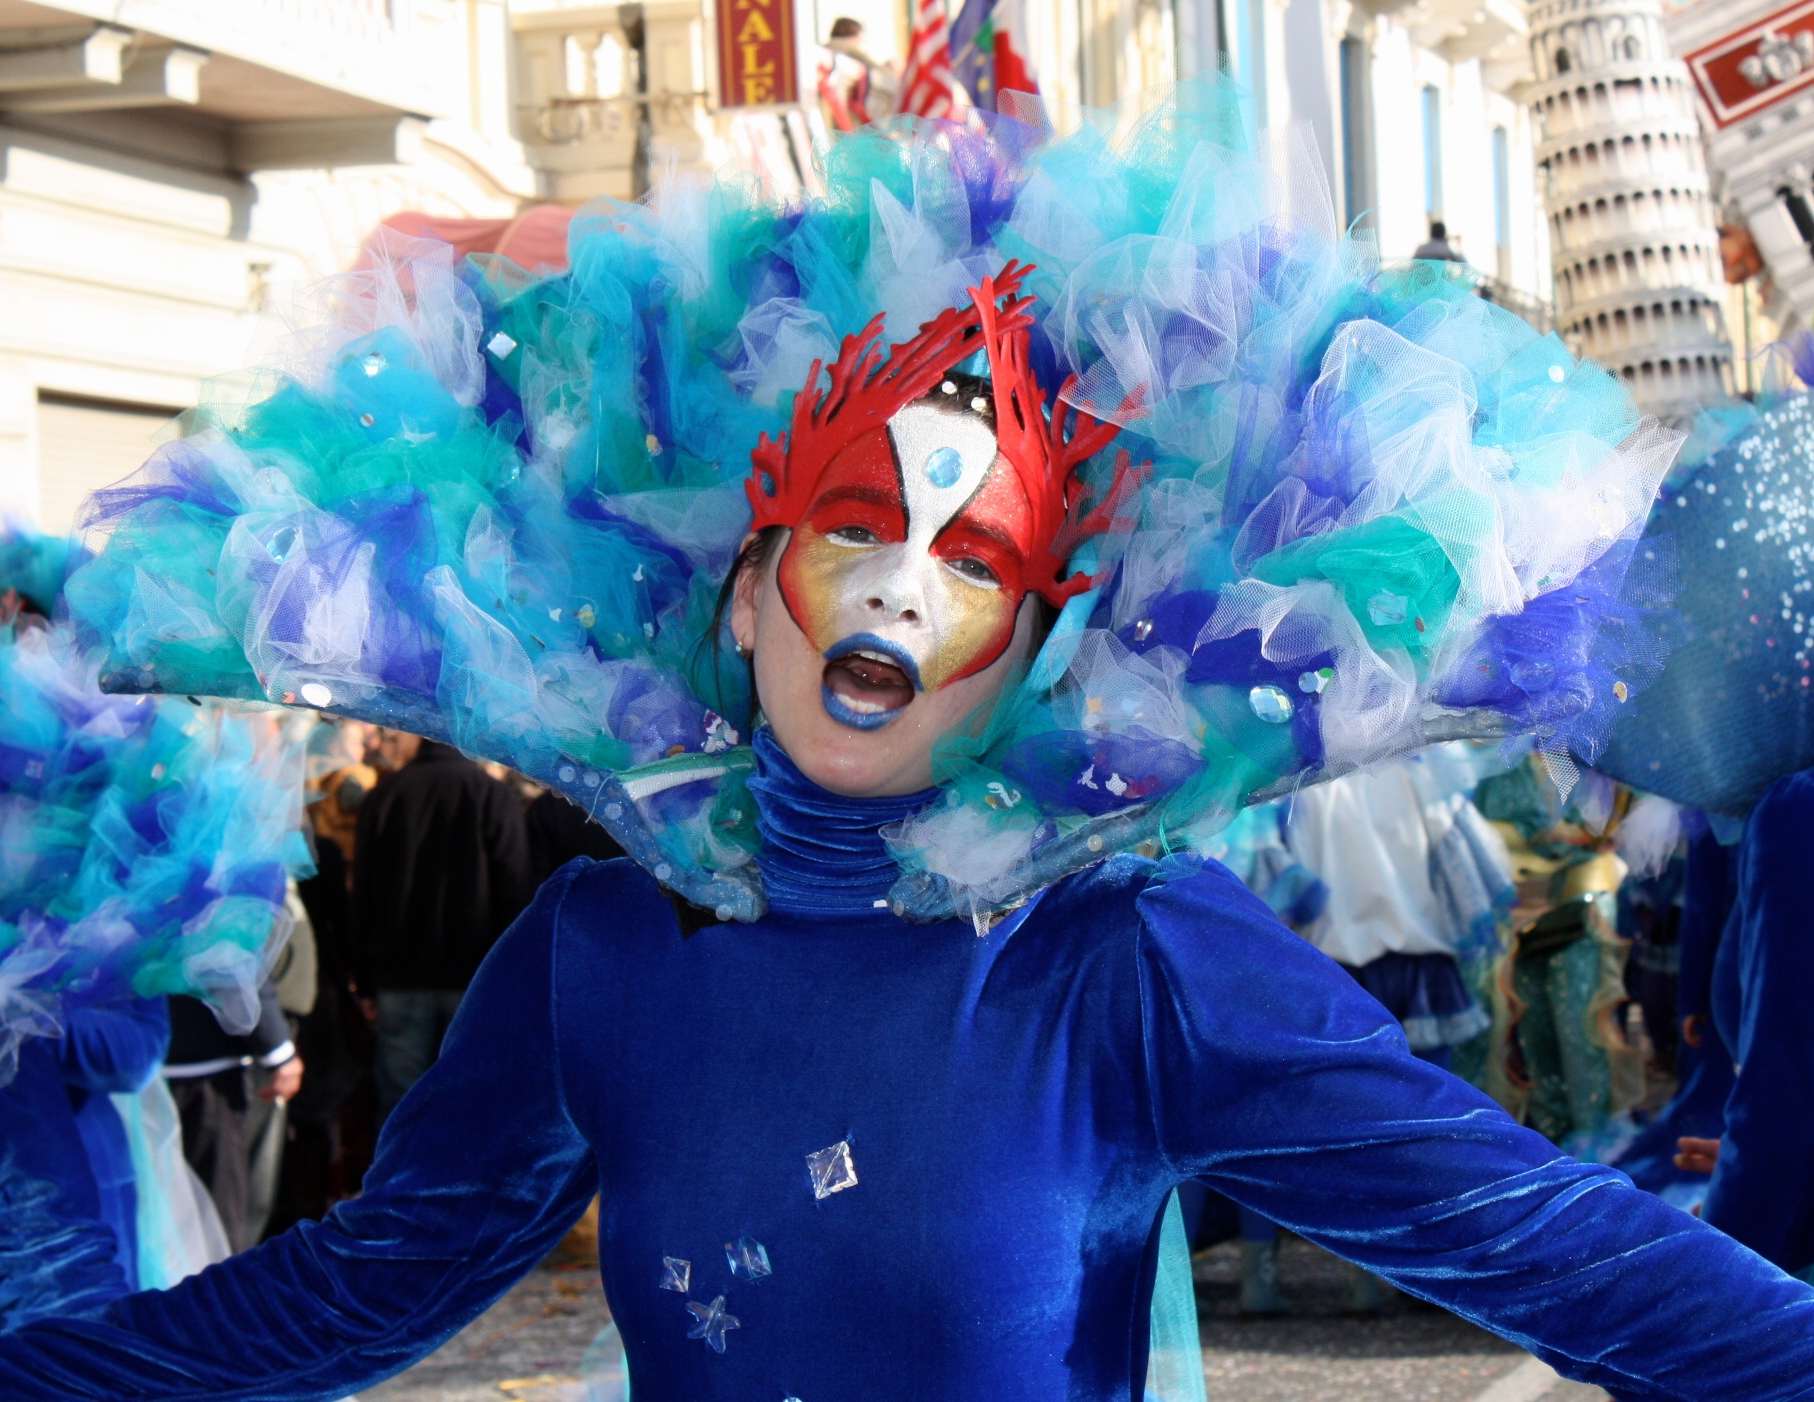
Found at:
<point>868,681</point>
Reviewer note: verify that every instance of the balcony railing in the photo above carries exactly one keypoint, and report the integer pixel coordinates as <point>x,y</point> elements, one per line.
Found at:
<point>1526,305</point>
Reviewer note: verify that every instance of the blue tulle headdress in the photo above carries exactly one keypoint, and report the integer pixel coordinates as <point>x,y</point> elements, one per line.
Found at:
<point>145,843</point>
<point>1374,509</point>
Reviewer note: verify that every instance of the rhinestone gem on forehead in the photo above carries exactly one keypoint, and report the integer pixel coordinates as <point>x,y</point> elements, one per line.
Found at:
<point>943,467</point>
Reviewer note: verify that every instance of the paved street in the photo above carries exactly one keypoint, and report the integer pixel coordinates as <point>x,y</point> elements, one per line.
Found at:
<point>532,1346</point>
<point>1412,1353</point>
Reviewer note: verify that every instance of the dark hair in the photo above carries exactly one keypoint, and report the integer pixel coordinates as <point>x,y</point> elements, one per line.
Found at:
<point>1438,229</point>
<point>754,555</point>
<point>846,28</point>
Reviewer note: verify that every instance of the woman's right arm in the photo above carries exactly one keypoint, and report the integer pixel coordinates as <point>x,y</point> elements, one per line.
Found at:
<point>479,1173</point>
<point>1275,1079</point>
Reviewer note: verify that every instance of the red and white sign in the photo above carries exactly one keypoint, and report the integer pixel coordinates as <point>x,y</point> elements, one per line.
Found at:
<point>757,64</point>
<point>1751,69</point>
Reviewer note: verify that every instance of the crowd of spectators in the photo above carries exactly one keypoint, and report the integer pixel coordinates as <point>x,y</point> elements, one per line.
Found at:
<point>423,857</point>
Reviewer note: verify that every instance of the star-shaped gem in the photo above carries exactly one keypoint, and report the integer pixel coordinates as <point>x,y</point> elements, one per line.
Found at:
<point>711,1323</point>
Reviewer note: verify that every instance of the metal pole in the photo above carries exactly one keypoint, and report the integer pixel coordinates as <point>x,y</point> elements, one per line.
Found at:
<point>1744,295</point>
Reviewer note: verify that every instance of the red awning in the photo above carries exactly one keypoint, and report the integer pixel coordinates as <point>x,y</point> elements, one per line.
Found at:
<point>535,239</point>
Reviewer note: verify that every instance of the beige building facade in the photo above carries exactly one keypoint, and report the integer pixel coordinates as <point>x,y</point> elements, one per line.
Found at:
<point>172,172</point>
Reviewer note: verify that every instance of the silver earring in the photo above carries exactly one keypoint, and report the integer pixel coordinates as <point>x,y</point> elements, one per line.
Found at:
<point>742,651</point>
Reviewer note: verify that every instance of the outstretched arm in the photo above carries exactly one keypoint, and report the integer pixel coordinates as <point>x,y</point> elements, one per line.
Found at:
<point>1276,1079</point>
<point>479,1172</point>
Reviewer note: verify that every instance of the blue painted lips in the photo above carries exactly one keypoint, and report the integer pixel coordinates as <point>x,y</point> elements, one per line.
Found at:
<point>881,649</point>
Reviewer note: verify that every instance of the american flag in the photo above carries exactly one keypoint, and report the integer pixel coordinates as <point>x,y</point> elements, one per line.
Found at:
<point>926,81</point>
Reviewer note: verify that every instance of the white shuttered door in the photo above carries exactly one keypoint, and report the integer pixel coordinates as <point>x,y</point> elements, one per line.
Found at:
<point>84,444</point>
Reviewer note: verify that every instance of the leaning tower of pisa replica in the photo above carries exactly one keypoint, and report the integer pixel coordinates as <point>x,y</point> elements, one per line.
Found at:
<point>1633,229</point>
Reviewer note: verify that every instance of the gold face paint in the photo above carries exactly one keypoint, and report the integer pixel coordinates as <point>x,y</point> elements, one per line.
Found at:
<point>913,548</point>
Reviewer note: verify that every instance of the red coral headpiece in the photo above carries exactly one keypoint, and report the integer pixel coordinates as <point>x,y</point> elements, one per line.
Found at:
<point>1047,452</point>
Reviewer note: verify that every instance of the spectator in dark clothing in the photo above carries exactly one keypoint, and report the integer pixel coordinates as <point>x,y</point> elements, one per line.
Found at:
<point>1703,1067</point>
<point>335,1043</point>
<point>1437,246</point>
<point>440,868</point>
<point>559,831</point>
<point>217,1080</point>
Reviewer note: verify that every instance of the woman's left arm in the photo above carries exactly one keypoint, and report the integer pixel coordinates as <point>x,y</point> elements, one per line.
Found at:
<point>1273,1077</point>
<point>115,1047</point>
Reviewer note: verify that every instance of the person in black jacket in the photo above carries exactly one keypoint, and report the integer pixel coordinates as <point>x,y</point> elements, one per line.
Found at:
<point>440,868</point>
<point>559,831</point>
<point>217,1080</point>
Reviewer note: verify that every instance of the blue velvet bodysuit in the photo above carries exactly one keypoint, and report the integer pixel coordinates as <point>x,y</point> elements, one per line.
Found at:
<point>997,1122</point>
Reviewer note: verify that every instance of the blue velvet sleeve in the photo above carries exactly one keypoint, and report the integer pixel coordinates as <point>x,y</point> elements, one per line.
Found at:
<point>1761,1190</point>
<point>1274,1078</point>
<point>478,1173</point>
<point>114,1048</point>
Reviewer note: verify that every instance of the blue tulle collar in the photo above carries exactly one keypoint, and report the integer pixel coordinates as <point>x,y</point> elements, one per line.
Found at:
<point>822,854</point>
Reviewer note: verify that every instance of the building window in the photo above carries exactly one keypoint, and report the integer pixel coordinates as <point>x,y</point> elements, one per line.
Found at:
<point>1201,31</point>
<point>1562,61</point>
<point>1357,137</point>
<point>1799,213</point>
<point>1432,152</point>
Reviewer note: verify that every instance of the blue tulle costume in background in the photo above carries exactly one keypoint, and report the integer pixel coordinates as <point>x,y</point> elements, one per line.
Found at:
<point>1733,710</point>
<point>144,848</point>
<point>147,844</point>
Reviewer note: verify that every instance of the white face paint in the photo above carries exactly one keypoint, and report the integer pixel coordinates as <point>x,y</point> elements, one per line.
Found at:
<point>924,599</point>
<point>912,552</point>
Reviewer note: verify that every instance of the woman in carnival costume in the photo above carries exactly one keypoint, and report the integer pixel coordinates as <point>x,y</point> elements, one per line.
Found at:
<point>1566,1067</point>
<point>1729,729</point>
<point>889,1102</point>
<point>1415,879</point>
<point>145,844</point>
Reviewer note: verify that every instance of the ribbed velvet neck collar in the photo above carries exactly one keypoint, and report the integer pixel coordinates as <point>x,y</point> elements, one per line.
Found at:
<point>822,855</point>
